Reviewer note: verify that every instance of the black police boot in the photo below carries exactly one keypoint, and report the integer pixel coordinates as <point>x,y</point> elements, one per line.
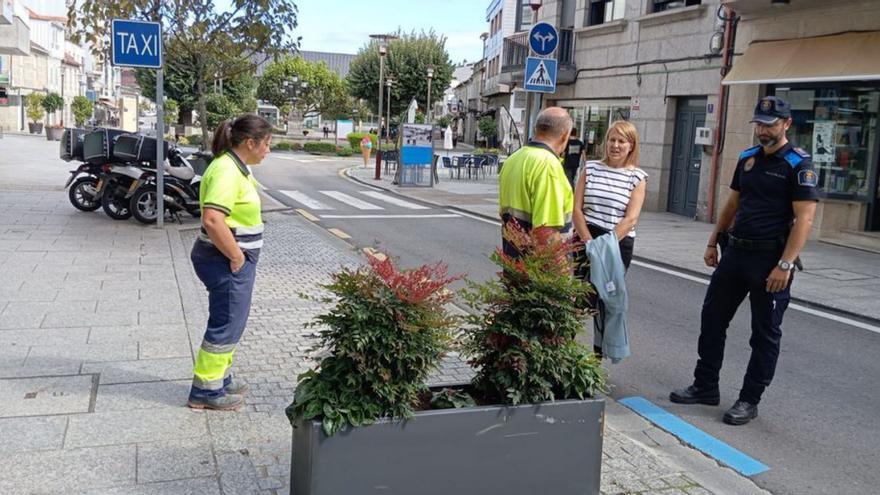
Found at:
<point>741,413</point>
<point>694,395</point>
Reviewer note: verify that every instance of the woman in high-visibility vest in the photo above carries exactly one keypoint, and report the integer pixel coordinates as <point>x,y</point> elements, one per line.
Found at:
<point>225,255</point>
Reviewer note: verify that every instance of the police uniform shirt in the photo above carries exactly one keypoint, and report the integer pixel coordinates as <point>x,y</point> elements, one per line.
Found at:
<point>768,184</point>
<point>573,152</point>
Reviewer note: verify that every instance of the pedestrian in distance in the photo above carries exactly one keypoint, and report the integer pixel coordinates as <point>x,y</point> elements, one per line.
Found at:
<point>326,132</point>
<point>761,230</point>
<point>366,149</point>
<point>609,194</point>
<point>533,190</point>
<point>575,153</point>
<point>225,255</point>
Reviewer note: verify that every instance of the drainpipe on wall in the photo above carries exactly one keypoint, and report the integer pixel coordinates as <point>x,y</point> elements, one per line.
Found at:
<point>729,37</point>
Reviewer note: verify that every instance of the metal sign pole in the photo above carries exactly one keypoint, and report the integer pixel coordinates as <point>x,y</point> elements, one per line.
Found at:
<point>160,149</point>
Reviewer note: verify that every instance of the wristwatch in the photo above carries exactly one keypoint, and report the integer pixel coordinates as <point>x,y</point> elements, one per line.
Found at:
<point>784,265</point>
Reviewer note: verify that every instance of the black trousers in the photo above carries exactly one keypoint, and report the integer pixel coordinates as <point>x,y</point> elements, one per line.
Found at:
<point>741,273</point>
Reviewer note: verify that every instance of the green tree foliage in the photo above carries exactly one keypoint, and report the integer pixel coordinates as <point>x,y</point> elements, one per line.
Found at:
<point>171,113</point>
<point>407,62</point>
<point>209,43</point>
<point>325,94</point>
<point>82,109</point>
<point>52,103</point>
<point>488,127</point>
<point>444,121</point>
<point>220,107</point>
<point>35,111</point>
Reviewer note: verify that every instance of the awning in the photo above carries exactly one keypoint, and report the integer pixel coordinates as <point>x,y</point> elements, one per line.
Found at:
<point>840,57</point>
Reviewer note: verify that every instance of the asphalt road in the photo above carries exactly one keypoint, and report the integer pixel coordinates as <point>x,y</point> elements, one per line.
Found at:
<point>818,428</point>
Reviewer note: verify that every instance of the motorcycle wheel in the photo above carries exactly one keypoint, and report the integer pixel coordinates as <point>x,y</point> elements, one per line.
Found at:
<point>114,204</point>
<point>143,205</point>
<point>81,195</point>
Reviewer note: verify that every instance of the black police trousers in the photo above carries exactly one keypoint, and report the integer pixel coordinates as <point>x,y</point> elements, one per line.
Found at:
<point>742,272</point>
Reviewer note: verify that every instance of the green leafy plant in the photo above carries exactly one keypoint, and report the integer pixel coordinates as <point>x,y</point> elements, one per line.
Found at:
<point>444,121</point>
<point>319,147</point>
<point>450,398</point>
<point>522,345</point>
<point>488,127</point>
<point>354,139</point>
<point>82,109</point>
<point>171,113</point>
<point>52,103</point>
<point>194,139</point>
<point>386,331</point>
<point>282,146</point>
<point>344,151</point>
<point>35,110</point>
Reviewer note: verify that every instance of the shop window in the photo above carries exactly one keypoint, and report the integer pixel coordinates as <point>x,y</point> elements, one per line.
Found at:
<point>663,5</point>
<point>525,16</point>
<point>837,126</point>
<point>602,11</point>
<point>592,121</point>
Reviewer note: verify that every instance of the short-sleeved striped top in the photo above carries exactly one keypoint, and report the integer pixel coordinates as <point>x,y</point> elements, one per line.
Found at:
<point>607,193</point>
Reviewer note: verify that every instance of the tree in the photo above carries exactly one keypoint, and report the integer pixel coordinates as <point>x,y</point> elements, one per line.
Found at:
<point>52,103</point>
<point>172,113</point>
<point>82,109</point>
<point>488,128</point>
<point>35,109</point>
<point>325,93</point>
<point>407,62</point>
<point>216,44</point>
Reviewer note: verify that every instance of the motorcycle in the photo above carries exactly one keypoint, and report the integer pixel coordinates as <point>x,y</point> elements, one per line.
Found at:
<point>83,185</point>
<point>180,187</point>
<point>117,173</point>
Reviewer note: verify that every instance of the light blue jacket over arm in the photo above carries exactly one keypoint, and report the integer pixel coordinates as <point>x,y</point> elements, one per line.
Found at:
<point>606,275</point>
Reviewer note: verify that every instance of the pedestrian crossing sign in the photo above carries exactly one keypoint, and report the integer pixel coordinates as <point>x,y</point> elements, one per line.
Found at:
<point>540,75</point>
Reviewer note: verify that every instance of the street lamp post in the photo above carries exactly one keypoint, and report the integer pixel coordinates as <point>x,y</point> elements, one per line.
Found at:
<point>430,106</point>
<point>388,83</point>
<point>292,88</point>
<point>383,49</point>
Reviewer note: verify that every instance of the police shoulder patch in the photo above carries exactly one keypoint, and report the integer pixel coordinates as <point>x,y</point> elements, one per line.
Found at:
<point>800,151</point>
<point>808,178</point>
<point>749,152</point>
<point>794,158</point>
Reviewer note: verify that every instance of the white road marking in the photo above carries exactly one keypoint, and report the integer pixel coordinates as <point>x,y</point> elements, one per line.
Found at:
<point>305,200</point>
<point>351,200</point>
<point>269,199</point>
<point>484,220</point>
<point>395,201</point>
<point>797,307</point>
<point>391,216</point>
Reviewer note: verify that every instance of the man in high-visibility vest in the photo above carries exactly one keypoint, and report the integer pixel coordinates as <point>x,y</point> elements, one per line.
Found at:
<point>533,188</point>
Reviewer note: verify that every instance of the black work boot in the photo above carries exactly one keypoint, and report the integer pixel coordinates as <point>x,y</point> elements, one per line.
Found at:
<point>228,402</point>
<point>741,413</point>
<point>694,395</point>
<point>236,388</point>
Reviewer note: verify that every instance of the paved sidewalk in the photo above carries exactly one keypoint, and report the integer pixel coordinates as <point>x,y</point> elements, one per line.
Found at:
<point>99,321</point>
<point>835,277</point>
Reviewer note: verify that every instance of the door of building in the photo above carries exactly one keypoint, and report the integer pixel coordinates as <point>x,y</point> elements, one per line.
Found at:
<point>684,182</point>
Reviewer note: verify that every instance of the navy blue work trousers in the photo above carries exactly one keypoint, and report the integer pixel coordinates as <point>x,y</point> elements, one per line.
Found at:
<point>740,273</point>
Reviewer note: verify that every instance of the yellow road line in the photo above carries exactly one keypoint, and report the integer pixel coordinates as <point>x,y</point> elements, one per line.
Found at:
<point>339,233</point>
<point>307,215</point>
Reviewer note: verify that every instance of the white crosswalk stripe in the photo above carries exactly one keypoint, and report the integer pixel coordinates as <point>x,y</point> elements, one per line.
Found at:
<point>395,201</point>
<point>351,200</point>
<point>306,201</point>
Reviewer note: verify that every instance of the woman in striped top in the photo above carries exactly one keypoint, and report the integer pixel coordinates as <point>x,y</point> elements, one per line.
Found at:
<point>609,193</point>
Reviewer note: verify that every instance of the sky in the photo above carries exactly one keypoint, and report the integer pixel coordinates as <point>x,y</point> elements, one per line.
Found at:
<point>344,26</point>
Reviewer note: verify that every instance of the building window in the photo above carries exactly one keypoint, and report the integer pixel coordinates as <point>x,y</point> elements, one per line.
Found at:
<point>592,119</point>
<point>663,5</point>
<point>837,126</point>
<point>525,16</point>
<point>602,11</point>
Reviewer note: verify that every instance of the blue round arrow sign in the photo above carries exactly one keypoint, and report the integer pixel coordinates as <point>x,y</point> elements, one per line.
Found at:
<point>543,38</point>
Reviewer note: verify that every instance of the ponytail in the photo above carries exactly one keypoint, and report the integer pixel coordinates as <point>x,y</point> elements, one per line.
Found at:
<point>232,132</point>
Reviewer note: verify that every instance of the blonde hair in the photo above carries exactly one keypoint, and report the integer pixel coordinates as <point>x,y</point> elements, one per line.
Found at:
<point>628,130</point>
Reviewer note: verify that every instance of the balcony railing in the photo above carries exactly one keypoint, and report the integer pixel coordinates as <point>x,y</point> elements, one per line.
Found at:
<point>516,49</point>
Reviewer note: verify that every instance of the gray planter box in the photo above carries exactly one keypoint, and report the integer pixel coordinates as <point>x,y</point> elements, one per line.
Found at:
<point>553,448</point>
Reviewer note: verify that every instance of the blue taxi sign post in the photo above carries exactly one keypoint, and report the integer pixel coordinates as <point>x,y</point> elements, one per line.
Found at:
<point>139,44</point>
<point>543,39</point>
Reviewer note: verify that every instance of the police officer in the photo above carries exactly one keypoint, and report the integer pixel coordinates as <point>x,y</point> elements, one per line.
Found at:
<point>769,215</point>
<point>575,152</point>
<point>225,255</point>
<point>532,188</point>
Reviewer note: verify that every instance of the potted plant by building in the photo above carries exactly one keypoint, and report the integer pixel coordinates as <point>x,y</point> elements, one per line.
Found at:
<point>35,112</point>
<point>52,103</point>
<point>363,419</point>
<point>82,109</point>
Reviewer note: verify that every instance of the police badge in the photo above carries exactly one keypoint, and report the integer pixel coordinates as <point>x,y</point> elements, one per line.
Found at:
<point>749,164</point>
<point>766,105</point>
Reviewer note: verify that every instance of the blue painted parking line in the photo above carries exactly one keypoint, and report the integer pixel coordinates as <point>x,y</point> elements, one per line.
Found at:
<point>695,437</point>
